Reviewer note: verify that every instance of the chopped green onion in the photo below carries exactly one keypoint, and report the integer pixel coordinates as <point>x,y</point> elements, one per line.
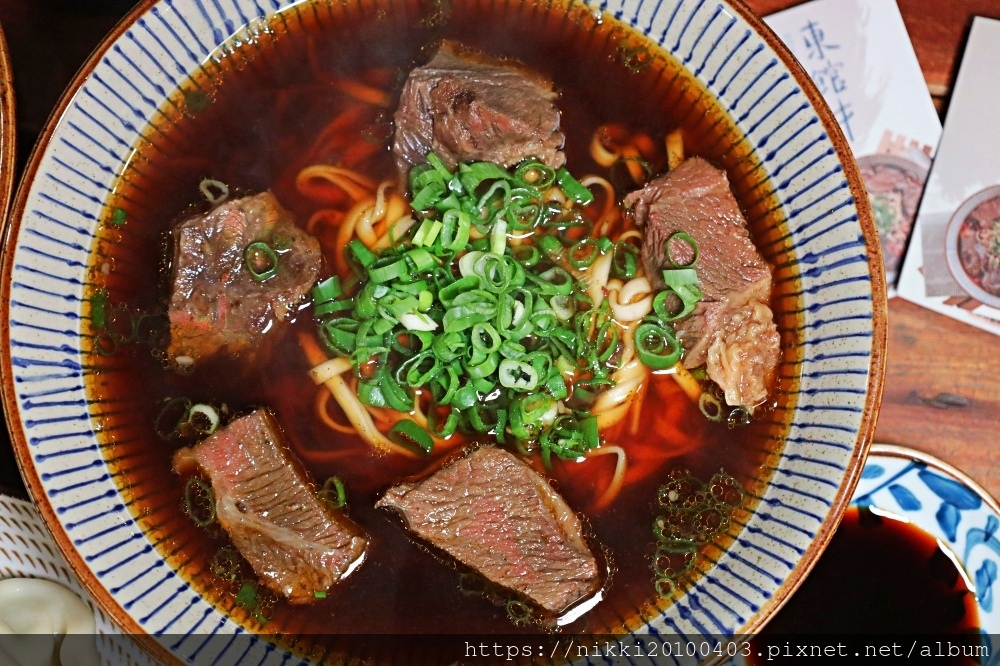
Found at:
<point>333,493</point>
<point>427,233</point>
<point>455,229</point>
<point>327,290</point>
<point>584,253</point>
<point>624,263</point>
<point>526,255</point>
<point>203,418</point>
<point>425,197</point>
<point>473,174</point>
<point>496,331</point>
<point>517,375</point>
<point>98,309</point>
<point>359,256</point>
<point>331,307</point>
<point>438,165</point>
<point>683,237</point>
<point>556,281</point>
<point>498,239</point>
<point>710,406</point>
<point>550,245</point>
<point>214,191</point>
<point>420,259</point>
<point>118,217</point>
<point>383,271</point>
<point>535,174</point>
<point>407,433</point>
<point>247,596</point>
<point>573,188</point>
<point>199,502</point>
<point>656,346</point>
<point>395,396</point>
<point>418,321</point>
<point>563,305</point>
<point>261,261</point>
<point>680,277</point>
<point>686,293</point>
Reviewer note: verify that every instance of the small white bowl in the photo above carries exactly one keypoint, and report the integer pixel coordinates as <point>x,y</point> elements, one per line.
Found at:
<point>27,551</point>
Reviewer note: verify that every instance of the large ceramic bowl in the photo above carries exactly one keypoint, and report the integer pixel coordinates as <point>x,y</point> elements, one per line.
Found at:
<point>825,249</point>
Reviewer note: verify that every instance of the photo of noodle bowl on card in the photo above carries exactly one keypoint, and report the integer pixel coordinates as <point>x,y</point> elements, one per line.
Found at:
<point>895,185</point>
<point>972,246</point>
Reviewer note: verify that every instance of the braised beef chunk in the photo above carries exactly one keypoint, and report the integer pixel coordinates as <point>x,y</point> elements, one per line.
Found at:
<point>216,303</point>
<point>464,107</point>
<point>498,516</point>
<point>732,330</point>
<point>264,502</point>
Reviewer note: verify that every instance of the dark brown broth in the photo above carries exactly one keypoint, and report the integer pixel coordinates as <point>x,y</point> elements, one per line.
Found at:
<point>266,104</point>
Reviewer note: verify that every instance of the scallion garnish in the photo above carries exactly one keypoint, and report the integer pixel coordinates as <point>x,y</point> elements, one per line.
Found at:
<point>497,331</point>
<point>261,261</point>
<point>98,309</point>
<point>333,493</point>
<point>204,419</point>
<point>407,433</point>
<point>199,502</point>
<point>656,346</point>
<point>681,237</point>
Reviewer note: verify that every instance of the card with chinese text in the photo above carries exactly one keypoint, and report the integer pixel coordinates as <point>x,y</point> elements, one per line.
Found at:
<point>859,55</point>
<point>953,264</point>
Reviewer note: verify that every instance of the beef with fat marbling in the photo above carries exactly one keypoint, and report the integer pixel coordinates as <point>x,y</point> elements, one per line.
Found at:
<point>732,330</point>
<point>493,513</point>
<point>464,107</point>
<point>264,502</point>
<point>216,303</point>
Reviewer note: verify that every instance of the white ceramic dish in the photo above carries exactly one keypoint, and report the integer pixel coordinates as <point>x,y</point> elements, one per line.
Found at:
<point>27,551</point>
<point>829,239</point>
<point>945,503</point>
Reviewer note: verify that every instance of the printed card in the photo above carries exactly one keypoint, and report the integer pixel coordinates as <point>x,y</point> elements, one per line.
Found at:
<point>953,265</point>
<point>859,55</point>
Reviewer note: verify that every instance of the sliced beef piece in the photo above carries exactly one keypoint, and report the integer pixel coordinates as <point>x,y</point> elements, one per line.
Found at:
<point>495,514</point>
<point>215,302</point>
<point>465,107</point>
<point>732,330</point>
<point>264,502</point>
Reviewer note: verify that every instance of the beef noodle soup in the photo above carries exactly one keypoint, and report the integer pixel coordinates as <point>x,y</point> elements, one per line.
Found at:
<point>305,110</point>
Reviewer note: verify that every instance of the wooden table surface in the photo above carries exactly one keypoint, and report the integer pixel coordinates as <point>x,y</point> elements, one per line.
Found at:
<point>942,386</point>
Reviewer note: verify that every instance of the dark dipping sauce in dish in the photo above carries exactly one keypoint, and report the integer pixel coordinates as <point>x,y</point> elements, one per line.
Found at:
<point>251,120</point>
<point>879,576</point>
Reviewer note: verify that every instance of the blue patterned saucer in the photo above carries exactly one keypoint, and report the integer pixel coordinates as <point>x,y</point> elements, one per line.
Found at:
<point>949,506</point>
